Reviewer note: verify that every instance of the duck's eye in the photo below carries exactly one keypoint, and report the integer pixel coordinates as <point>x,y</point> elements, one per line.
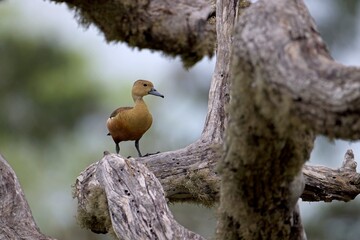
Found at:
<point>145,85</point>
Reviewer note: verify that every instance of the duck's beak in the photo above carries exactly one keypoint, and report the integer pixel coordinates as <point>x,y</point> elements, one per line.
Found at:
<point>154,92</point>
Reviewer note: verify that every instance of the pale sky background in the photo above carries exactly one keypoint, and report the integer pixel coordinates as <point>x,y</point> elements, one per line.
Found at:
<point>110,61</point>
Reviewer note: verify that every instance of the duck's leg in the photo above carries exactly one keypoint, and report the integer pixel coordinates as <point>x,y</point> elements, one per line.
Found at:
<point>117,147</point>
<point>137,147</point>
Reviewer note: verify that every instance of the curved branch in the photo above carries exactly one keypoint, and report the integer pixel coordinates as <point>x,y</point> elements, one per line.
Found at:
<point>185,28</point>
<point>317,90</point>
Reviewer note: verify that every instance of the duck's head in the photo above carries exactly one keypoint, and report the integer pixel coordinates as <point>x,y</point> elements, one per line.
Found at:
<point>142,88</point>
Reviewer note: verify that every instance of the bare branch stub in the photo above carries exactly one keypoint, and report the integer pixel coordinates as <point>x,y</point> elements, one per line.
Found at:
<point>349,161</point>
<point>129,202</point>
<point>16,220</point>
<point>326,184</point>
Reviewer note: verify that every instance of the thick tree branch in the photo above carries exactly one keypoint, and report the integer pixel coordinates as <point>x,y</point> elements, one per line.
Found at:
<point>16,220</point>
<point>314,88</point>
<point>190,175</point>
<point>186,179</point>
<point>178,28</point>
<point>278,59</point>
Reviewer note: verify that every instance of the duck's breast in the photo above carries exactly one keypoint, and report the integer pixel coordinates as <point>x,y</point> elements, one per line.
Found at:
<point>129,124</point>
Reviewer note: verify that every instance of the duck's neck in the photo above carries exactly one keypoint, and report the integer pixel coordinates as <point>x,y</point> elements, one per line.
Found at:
<point>139,103</point>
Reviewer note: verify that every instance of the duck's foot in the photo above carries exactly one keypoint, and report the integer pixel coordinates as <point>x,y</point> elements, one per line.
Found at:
<point>149,154</point>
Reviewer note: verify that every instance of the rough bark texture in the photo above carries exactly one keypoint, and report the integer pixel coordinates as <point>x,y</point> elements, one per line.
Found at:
<point>342,184</point>
<point>265,152</point>
<point>184,178</point>
<point>269,95</point>
<point>16,220</point>
<point>124,198</point>
<point>301,78</point>
<point>177,28</point>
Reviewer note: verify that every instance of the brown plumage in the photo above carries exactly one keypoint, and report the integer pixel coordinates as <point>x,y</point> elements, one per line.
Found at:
<point>130,123</point>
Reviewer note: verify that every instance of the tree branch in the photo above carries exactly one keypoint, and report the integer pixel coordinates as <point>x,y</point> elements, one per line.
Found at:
<point>178,28</point>
<point>326,184</point>
<point>188,174</point>
<point>16,220</point>
<point>124,198</point>
<point>316,90</point>
<point>191,176</point>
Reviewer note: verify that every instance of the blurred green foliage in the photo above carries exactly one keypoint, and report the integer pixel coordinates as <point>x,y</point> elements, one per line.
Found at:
<point>47,92</point>
<point>44,89</point>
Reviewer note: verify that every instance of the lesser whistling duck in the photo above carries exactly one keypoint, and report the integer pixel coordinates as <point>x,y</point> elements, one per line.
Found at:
<point>130,123</point>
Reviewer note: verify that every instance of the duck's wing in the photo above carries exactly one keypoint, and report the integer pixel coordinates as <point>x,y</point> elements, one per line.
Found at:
<point>119,110</point>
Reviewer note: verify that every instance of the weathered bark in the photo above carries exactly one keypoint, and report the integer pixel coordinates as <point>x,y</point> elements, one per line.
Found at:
<point>264,155</point>
<point>124,198</point>
<point>277,59</point>
<point>177,28</point>
<point>16,220</point>
<point>301,79</point>
<point>196,180</point>
<point>325,184</point>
